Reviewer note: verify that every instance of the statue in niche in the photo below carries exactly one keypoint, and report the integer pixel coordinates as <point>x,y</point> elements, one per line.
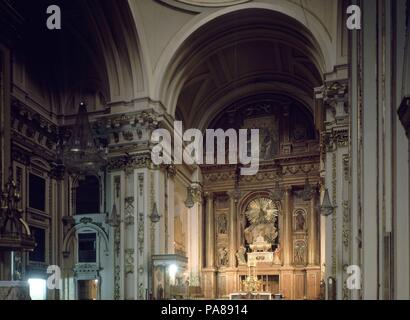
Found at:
<point>262,215</point>
<point>300,249</point>
<point>222,224</point>
<point>223,256</point>
<point>240,255</point>
<point>300,221</point>
<point>277,259</point>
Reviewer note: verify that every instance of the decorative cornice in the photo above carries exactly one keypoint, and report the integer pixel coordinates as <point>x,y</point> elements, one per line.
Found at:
<point>33,127</point>
<point>128,129</point>
<point>130,162</point>
<point>335,96</point>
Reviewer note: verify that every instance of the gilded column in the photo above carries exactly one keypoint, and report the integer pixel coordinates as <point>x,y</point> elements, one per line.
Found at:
<point>233,200</point>
<point>312,233</point>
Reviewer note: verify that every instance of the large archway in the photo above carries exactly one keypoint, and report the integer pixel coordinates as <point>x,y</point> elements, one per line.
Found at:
<point>255,68</point>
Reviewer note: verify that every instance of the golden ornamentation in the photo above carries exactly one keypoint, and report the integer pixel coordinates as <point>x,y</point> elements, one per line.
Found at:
<point>262,214</point>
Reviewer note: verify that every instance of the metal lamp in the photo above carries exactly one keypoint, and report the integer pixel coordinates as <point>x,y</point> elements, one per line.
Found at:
<point>326,208</point>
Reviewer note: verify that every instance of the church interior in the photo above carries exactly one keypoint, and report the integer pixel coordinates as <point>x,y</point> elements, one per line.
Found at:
<point>327,215</point>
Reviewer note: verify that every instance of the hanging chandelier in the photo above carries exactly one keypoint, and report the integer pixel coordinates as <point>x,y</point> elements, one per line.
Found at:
<point>15,234</point>
<point>82,154</point>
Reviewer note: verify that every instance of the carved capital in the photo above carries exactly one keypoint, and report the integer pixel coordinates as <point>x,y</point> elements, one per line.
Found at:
<point>209,196</point>
<point>234,195</point>
<point>335,98</point>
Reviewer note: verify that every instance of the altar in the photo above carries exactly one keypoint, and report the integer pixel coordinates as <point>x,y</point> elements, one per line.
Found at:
<point>251,296</point>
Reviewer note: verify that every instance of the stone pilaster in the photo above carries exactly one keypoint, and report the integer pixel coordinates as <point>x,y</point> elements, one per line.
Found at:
<point>335,151</point>
<point>233,232</point>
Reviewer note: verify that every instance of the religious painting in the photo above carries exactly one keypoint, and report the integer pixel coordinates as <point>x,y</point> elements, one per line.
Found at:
<point>269,142</point>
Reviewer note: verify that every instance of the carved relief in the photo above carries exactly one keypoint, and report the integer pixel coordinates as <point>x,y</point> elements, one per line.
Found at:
<point>126,162</point>
<point>222,224</point>
<point>223,257</point>
<point>299,255</point>
<point>129,261</point>
<point>240,256</point>
<point>140,235</point>
<point>129,211</point>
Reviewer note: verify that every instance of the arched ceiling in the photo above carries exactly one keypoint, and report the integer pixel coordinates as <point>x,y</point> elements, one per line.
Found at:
<point>95,55</point>
<point>256,66</point>
<point>244,54</point>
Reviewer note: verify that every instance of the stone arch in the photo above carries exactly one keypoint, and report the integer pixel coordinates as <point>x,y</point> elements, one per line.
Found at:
<point>82,226</point>
<point>186,46</point>
<point>114,25</point>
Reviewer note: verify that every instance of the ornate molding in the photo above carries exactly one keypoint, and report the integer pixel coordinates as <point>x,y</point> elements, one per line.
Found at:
<point>33,127</point>
<point>129,261</point>
<point>128,162</point>
<point>129,211</point>
<point>140,235</point>
<point>334,139</point>
<point>128,129</point>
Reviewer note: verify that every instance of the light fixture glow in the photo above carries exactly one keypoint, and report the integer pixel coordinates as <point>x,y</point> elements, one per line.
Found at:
<point>38,290</point>
<point>173,269</point>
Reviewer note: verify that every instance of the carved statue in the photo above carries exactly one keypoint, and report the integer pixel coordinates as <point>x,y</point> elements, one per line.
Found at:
<point>300,222</point>
<point>300,249</point>
<point>240,255</point>
<point>262,215</point>
<point>223,256</point>
<point>160,292</point>
<point>277,256</point>
<point>222,224</point>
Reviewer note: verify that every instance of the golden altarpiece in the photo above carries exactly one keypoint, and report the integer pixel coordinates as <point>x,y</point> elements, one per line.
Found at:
<point>265,227</point>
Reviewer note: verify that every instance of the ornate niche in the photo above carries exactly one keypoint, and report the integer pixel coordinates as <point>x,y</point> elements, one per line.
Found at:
<point>263,223</point>
<point>299,221</point>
